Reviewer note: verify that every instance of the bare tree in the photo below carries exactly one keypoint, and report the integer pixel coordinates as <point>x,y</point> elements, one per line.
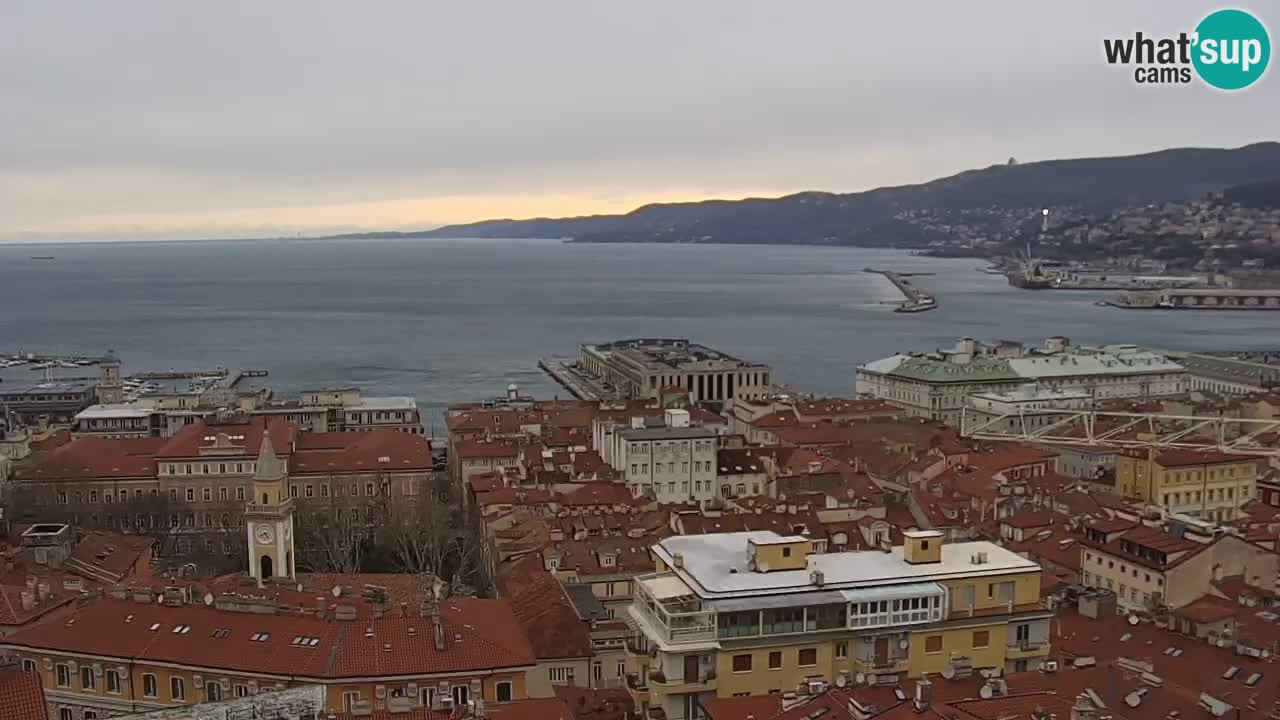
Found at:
<point>431,537</point>
<point>331,539</point>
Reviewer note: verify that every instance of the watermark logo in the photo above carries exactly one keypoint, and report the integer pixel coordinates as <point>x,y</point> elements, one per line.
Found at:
<point>1228,50</point>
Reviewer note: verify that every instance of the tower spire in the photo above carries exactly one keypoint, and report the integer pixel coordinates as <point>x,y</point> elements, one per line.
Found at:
<point>270,467</point>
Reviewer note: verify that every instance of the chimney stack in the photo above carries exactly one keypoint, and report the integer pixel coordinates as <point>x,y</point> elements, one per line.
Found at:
<point>924,695</point>
<point>437,626</point>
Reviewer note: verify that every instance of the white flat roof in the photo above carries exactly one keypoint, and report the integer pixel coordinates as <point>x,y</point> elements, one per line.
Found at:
<point>715,565</point>
<point>114,411</point>
<point>384,403</point>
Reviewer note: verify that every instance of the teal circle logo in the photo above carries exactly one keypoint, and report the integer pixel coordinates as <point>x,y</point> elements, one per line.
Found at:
<point>1231,49</point>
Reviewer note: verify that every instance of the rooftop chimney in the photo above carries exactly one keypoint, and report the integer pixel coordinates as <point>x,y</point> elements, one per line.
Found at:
<point>924,695</point>
<point>437,626</point>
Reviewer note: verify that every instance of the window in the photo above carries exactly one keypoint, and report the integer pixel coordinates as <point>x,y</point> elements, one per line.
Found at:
<point>177,688</point>
<point>63,675</point>
<point>191,494</point>
<point>64,714</point>
<point>309,491</point>
<point>561,675</point>
<point>324,489</point>
<point>173,494</point>
<point>206,494</point>
<point>502,691</point>
<point>87,680</point>
<point>293,491</point>
<point>28,665</point>
<point>808,657</point>
<point>933,644</point>
<point>741,663</point>
<point>241,690</point>
<point>113,682</point>
<point>212,691</point>
<point>981,638</point>
<point>90,715</point>
<point>461,693</point>
<point>842,650</point>
<point>223,495</point>
<point>240,493</point>
<point>349,699</point>
<point>149,688</point>
<point>93,496</point>
<point>775,660</point>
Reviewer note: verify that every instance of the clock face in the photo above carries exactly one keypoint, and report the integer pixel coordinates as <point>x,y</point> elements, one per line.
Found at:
<point>265,534</point>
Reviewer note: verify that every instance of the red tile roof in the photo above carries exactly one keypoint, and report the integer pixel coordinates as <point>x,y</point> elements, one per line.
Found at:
<point>1188,458</point>
<point>544,611</point>
<point>382,450</point>
<point>479,635</point>
<point>760,707</point>
<point>96,457</point>
<point>597,704</point>
<point>12,613</point>
<point>1029,519</point>
<point>22,697</point>
<point>243,433</point>
<point>495,449</point>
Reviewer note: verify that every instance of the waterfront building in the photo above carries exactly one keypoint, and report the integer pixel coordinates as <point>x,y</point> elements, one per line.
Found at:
<point>643,368</point>
<point>333,410</point>
<point>674,463</point>
<point>1232,373</point>
<point>757,613</point>
<point>47,402</point>
<point>937,385</point>
<point>1207,485</point>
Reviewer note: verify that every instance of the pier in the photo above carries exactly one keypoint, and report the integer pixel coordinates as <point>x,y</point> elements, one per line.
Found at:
<point>565,372</point>
<point>1197,299</point>
<point>914,299</point>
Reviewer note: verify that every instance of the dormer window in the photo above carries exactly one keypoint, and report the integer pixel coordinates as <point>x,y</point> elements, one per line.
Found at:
<point>607,560</point>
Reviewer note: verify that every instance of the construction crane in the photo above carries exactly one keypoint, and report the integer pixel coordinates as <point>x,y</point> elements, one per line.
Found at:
<point>1125,430</point>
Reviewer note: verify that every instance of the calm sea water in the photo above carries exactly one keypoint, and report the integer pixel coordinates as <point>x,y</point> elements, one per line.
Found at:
<point>457,320</point>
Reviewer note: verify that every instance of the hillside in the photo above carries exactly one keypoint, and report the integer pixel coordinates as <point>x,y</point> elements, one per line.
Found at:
<point>885,216</point>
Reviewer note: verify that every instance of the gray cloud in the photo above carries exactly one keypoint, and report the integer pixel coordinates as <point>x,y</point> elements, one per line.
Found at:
<point>160,107</point>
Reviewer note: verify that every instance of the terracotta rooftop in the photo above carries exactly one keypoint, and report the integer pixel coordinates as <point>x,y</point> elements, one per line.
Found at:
<point>479,635</point>
<point>22,697</point>
<point>377,450</point>
<point>544,611</point>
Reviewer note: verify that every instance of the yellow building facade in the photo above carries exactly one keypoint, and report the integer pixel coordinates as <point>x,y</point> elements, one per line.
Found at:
<point>754,613</point>
<point>1205,485</point>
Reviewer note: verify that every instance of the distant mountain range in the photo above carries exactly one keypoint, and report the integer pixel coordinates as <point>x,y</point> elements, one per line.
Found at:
<point>885,216</point>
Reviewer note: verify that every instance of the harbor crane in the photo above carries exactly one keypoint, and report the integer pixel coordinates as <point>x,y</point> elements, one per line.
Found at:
<point>1126,430</point>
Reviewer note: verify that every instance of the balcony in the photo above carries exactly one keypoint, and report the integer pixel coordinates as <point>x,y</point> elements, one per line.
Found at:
<point>704,682</point>
<point>886,666</point>
<point>1019,649</point>
<point>668,609</point>
<point>638,687</point>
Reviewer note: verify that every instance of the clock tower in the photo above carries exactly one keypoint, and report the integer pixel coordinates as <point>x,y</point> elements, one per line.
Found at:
<point>269,516</point>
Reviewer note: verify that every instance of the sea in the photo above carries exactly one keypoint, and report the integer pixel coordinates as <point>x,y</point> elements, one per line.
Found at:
<point>457,320</point>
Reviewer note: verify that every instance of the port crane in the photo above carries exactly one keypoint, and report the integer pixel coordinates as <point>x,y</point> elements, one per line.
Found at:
<point>1126,430</point>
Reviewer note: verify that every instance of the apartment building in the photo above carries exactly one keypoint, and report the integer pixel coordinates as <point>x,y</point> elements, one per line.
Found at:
<point>121,655</point>
<point>1207,485</point>
<point>1149,569</point>
<point>675,463</point>
<point>755,613</point>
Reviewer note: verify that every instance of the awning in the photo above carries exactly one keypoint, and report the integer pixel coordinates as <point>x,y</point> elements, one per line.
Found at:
<point>665,587</point>
<point>770,602</point>
<point>892,592</point>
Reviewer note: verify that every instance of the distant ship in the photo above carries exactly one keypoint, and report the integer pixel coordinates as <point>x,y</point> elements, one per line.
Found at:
<point>1030,277</point>
<point>42,257</point>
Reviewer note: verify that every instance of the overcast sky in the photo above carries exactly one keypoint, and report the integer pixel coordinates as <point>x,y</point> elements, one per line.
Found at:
<point>154,118</point>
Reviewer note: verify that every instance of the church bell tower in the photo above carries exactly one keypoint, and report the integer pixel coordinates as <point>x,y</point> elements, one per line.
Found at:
<point>269,517</point>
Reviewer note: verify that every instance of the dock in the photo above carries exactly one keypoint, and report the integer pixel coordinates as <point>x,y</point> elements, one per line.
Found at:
<point>564,371</point>
<point>1220,299</point>
<point>914,299</point>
